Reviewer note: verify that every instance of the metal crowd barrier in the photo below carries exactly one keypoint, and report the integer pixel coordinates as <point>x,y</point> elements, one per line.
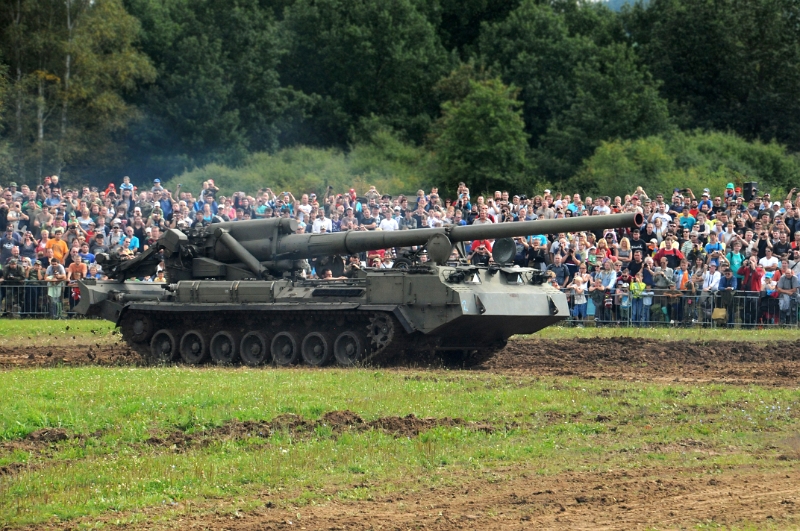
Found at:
<point>659,307</point>
<point>35,299</point>
<point>664,307</point>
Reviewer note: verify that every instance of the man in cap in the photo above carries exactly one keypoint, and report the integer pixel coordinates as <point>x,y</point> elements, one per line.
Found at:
<point>16,195</point>
<point>157,186</point>
<point>98,244</point>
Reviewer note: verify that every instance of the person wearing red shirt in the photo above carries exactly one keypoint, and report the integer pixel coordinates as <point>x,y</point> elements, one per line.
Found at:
<point>752,276</point>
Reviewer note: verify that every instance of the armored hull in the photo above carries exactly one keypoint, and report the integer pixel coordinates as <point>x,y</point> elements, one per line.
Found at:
<point>245,303</point>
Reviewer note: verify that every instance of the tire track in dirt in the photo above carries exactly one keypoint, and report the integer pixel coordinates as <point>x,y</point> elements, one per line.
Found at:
<point>769,363</point>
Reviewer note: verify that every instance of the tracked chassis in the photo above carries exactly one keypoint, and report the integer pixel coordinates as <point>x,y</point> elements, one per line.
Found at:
<point>236,294</point>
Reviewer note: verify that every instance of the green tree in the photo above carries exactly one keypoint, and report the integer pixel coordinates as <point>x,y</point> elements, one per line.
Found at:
<point>533,50</point>
<point>481,138</point>
<point>217,94</point>
<point>614,99</point>
<point>361,58</point>
<point>71,64</point>
<point>459,21</point>
<point>580,84</point>
<point>726,64</point>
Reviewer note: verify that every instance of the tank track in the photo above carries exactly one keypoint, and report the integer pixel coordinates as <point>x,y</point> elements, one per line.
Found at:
<point>310,338</point>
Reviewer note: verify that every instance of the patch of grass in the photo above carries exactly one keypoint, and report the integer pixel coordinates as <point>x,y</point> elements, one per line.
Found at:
<point>544,425</point>
<point>42,332</point>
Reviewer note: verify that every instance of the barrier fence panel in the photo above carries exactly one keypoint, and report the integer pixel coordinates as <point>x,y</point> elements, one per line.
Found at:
<point>34,299</point>
<point>664,307</point>
<point>656,307</point>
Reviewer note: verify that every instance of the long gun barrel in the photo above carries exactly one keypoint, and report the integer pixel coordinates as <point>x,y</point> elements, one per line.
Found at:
<point>302,246</point>
<point>262,245</point>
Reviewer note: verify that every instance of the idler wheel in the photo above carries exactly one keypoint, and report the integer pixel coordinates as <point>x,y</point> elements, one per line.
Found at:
<point>254,349</point>
<point>284,349</point>
<point>137,328</point>
<point>348,349</point>
<point>224,348</point>
<point>194,347</point>
<point>163,346</point>
<point>317,349</point>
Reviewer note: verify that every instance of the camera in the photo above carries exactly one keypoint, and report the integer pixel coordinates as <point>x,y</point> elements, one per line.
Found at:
<point>684,190</point>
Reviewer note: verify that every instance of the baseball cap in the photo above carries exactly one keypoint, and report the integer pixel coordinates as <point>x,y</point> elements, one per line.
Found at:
<point>157,181</point>
<point>12,184</point>
<point>729,186</point>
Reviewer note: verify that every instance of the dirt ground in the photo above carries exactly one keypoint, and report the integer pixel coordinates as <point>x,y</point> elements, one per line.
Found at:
<point>776,363</point>
<point>662,498</point>
<point>638,499</point>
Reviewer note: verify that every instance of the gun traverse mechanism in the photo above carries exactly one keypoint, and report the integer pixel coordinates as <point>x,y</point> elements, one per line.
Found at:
<point>235,292</point>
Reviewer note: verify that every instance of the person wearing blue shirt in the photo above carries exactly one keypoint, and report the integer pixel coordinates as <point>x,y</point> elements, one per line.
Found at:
<point>705,201</point>
<point>714,246</point>
<point>84,253</point>
<point>686,220</point>
<point>207,200</point>
<point>163,201</point>
<point>134,245</point>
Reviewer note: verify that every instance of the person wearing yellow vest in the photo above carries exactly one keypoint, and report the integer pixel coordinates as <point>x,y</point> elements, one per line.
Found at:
<point>637,287</point>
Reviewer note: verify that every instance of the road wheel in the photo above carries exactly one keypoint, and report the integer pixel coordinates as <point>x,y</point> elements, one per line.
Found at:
<point>284,349</point>
<point>163,346</point>
<point>317,349</point>
<point>254,349</point>
<point>193,347</point>
<point>349,348</point>
<point>224,348</point>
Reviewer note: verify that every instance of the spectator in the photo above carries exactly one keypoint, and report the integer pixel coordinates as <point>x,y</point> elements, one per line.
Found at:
<point>58,246</point>
<point>559,270</point>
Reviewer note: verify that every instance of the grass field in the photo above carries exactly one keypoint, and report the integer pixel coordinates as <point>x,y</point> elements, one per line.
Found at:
<point>83,330</point>
<point>141,443</point>
<point>546,425</point>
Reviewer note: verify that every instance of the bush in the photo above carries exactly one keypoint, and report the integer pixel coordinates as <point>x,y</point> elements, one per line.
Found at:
<point>687,160</point>
<point>384,161</point>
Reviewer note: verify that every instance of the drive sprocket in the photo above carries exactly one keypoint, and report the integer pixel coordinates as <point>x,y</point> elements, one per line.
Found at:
<point>380,332</point>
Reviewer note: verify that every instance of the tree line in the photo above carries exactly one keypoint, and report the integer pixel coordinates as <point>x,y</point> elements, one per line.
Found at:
<point>497,93</point>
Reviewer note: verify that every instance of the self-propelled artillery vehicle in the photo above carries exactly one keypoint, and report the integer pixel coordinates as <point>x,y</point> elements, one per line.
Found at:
<point>235,292</point>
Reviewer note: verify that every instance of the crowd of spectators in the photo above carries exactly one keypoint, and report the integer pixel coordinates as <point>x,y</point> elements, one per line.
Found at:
<point>691,257</point>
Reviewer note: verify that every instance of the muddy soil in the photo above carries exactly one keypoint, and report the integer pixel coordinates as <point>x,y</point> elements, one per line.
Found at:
<point>775,363</point>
